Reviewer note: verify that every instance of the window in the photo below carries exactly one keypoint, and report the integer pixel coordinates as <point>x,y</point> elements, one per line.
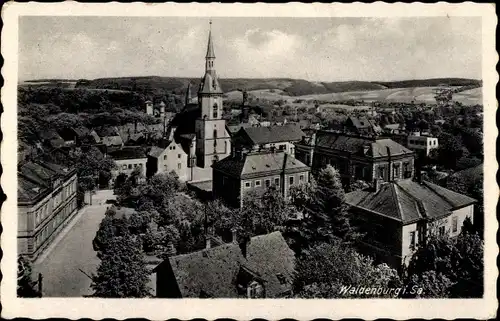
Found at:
<point>173,147</point>
<point>282,147</point>
<point>291,180</point>
<point>412,239</point>
<point>178,155</point>
<point>268,182</point>
<point>179,166</point>
<point>129,166</point>
<point>164,157</point>
<point>454,223</point>
<point>247,184</point>
<point>135,165</point>
<point>215,111</point>
<point>277,181</point>
<point>215,133</point>
<point>381,172</point>
<point>301,178</point>
<point>441,230</point>
<point>395,170</point>
<point>257,183</point>
<point>291,150</point>
<point>124,166</point>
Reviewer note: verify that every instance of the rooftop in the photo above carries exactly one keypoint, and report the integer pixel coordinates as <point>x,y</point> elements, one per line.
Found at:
<point>214,271</point>
<point>128,152</point>
<point>408,201</point>
<point>271,134</point>
<point>256,163</point>
<point>378,147</point>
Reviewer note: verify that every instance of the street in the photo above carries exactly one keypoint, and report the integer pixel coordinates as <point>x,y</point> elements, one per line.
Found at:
<point>66,263</point>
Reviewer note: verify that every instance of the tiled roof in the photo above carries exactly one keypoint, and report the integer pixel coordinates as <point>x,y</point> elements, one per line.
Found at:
<point>256,163</point>
<point>408,201</point>
<point>360,122</point>
<point>34,178</point>
<point>104,131</point>
<point>214,270</point>
<point>352,144</point>
<point>272,134</point>
<point>28,190</point>
<point>128,152</point>
<point>155,151</point>
<point>112,140</point>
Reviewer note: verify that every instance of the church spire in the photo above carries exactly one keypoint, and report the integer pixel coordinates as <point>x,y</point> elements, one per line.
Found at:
<point>188,95</point>
<point>210,47</point>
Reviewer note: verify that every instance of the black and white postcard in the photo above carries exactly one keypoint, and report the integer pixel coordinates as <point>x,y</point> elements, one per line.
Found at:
<point>249,160</point>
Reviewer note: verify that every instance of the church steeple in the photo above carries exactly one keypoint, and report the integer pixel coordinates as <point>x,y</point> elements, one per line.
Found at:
<point>210,57</point>
<point>210,46</point>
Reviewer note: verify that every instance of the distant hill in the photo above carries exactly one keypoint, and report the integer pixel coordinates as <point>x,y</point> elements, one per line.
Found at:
<point>291,87</point>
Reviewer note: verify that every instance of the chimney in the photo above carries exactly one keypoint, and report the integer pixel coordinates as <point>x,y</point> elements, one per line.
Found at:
<point>244,246</point>
<point>234,236</point>
<point>376,185</point>
<point>389,174</point>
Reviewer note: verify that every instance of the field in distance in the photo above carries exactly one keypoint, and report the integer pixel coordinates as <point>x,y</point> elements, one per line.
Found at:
<point>290,90</point>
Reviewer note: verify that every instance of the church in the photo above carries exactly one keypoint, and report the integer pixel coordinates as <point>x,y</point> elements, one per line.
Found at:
<point>197,136</point>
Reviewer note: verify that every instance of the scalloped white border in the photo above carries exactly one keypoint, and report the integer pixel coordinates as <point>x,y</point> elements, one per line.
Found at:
<point>242,309</point>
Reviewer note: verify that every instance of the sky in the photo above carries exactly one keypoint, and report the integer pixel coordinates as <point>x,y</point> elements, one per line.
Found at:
<point>314,49</point>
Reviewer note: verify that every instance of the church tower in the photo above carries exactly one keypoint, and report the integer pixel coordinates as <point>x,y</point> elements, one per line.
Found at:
<point>212,139</point>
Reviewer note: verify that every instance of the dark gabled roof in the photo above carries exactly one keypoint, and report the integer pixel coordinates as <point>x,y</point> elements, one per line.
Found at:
<point>259,163</point>
<point>81,131</point>
<point>29,190</point>
<point>128,152</point>
<point>271,134</point>
<point>106,131</point>
<point>214,271</point>
<point>155,151</point>
<point>34,178</point>
<point>352,144</point>
<point>360,122</point>
<point>68,134</point>
<point>408,201</point>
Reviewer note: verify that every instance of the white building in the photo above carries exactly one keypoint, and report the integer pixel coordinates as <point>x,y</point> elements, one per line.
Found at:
<point>425,143</point>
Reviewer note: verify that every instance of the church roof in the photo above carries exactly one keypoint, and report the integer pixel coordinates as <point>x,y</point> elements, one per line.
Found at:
<point>210,46</point>
<point>210,83</point>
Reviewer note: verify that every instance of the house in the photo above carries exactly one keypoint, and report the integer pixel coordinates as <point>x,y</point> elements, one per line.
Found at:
<point>396,216</point>
<point>168,157</point>
<point>107,135</point>
<point>68,135</point>
<point>46,202</point>
<point>51,138</point>
<point>356,157</point>
<point>245,171</point>
<point>422,143</point>
<point>261,267</point>
<point>360,125</point>
<point>272,138</point>
<point>394,128</point>
<point>127,159</point>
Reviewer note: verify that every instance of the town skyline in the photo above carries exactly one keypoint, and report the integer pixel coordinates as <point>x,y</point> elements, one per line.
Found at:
<point>88,47</point>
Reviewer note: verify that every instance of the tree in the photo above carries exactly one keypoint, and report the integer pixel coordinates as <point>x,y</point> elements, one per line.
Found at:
<point>328,269</point>
<point>454,263</point>
<point>26,287</point>
<point>122,272</point>
<point>262,212</point>
<point>329,206</point>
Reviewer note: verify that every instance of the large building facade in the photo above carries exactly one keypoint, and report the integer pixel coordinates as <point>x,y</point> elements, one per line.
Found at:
<point>46,203</point>
<point>356,157</point>
<point>243,172</point>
